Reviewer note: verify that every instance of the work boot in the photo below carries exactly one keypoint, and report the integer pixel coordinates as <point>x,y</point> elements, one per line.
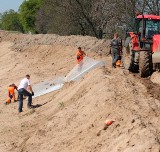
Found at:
<point>29,106</point>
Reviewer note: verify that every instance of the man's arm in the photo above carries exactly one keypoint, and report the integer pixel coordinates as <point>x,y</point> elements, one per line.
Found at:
<point>120,46</point>
<point>119,42</point>
<point>30,88</point>
<point>15,87</point>
<point>84,53</point>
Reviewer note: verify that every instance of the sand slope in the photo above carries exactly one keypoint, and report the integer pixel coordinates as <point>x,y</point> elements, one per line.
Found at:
<point>72,119</point>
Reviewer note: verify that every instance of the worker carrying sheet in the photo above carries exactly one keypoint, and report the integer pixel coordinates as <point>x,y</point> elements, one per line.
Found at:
<point>80,54</point>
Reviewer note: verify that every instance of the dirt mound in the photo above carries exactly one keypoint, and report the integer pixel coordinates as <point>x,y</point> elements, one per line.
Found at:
<point>21,42</point>
<point>155,78</point>
<point>72,119</point>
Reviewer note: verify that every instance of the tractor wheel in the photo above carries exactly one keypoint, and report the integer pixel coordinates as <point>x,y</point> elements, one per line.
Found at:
<point>128,60</point>
<point>145,64</point>
<point>128,57</point>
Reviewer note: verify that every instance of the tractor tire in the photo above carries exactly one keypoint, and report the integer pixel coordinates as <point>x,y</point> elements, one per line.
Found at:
<point>145,64</point>
<point>128,57</point>
<point>128,60</point>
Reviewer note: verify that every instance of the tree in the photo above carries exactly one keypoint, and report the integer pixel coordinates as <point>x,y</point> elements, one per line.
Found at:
<point>10,21</point>
<point>66,17</point>
<point>28,10</point>
<point>0,20</point>
<point>91,17</point>
<point>83,17</point>
<point>149,6</point>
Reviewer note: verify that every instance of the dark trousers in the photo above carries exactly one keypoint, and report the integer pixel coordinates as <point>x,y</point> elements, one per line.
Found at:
<point>24,92</point>
<point>115,56</point>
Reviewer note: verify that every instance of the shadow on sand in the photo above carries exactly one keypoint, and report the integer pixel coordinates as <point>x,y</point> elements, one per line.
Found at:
<point>38,105</point>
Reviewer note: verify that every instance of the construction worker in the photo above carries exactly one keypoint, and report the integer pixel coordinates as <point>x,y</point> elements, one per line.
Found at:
<point>115,45</point>
<point>22,90</point>
<point>80,54</point>
<point>11,93</point>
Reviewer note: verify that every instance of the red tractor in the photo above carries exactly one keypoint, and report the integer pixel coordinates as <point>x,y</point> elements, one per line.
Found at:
<point>142,47</point>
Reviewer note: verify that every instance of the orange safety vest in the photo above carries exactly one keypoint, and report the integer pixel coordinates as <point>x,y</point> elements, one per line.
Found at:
<point>11,93</point>
<point>11,90</point>
<point>79,56</point>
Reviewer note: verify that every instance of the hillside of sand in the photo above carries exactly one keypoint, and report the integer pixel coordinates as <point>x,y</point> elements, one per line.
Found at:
<point>72,118</point>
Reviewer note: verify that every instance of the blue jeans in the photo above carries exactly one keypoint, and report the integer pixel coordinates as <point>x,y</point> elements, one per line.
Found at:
<point>22,92</point>
<point>115,56</point>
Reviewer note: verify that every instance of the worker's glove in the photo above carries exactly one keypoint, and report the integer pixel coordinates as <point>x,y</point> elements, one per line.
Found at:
<point>78,57</point>
<point>32,93</point>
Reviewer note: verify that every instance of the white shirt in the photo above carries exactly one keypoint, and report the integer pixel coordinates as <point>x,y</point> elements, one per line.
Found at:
<point>24,84</point>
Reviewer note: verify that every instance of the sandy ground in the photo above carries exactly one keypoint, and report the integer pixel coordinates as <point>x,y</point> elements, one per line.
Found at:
<point>72,119</point>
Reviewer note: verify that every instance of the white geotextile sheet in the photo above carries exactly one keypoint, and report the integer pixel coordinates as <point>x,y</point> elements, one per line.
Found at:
<point>80,69</point>
<point>76,73</point>
<point>48,86</point>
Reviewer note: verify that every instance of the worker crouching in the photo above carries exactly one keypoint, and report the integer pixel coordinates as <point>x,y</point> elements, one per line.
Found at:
<point>11,93</point>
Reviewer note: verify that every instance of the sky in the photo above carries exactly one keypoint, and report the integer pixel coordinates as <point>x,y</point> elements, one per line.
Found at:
<point>6,5</point>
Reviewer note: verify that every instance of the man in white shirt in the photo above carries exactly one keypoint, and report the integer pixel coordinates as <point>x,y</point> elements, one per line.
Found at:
<point>22,90</point>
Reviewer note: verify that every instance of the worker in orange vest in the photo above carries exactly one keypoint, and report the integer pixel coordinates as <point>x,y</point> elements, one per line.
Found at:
<point>11,93</point>
<point>80,54</point>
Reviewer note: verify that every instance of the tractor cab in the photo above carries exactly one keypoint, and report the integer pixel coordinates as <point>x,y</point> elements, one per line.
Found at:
<point>148,25</point>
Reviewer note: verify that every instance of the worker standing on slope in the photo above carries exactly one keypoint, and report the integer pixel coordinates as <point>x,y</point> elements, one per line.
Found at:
<point>22,90</point>
<point>11,93</point>
<point>80,54</point>
<point>115,45</point>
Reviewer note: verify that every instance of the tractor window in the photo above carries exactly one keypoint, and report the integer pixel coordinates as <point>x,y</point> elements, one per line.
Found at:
<point>152,28</point>
<point>140,26</point>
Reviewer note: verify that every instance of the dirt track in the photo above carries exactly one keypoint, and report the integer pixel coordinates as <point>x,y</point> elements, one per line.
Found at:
<point>72,119</point>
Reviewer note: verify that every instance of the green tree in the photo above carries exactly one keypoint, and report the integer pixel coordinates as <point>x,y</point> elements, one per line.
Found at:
<point>10,21</point>
<point>28,11</point>
<point>66,17</point>
<point>91,17</point>
<point>0,20</point>
<point>83,17</point>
